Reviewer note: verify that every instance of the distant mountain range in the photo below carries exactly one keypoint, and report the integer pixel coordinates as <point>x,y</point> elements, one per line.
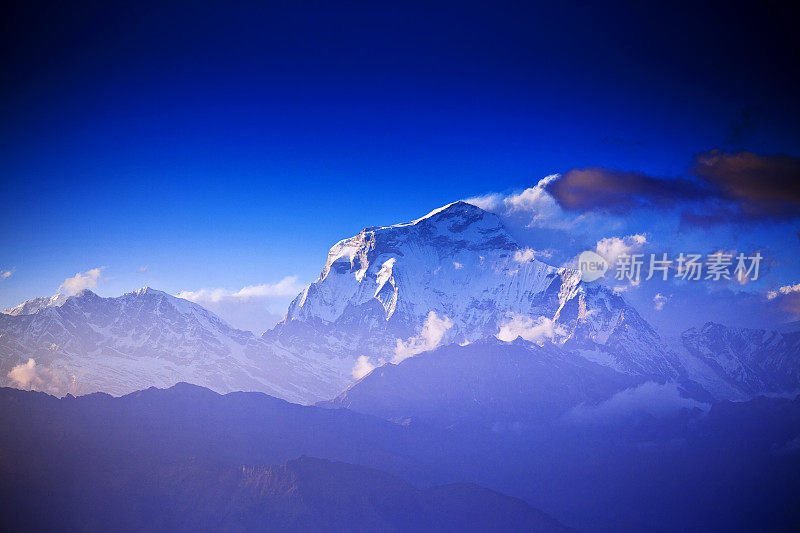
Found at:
<point>86,343</point>
<point>453,277</point>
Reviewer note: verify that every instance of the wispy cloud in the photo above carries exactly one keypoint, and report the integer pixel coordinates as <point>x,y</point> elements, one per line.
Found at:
<point>253,307</point>
<point>785,290</point>
<point>760,186</point>
<point>659,300</point>
<point>527,255</point>
<point>362,367</point>
<point>288,286</point>
<point>537,330</point>
<point>31,376</point>
<point>433,331</point>
<point>786,298</point>
<point>535,205</point>
<point>5,274</point>
<point>719,188</point>
<point>644,401</point>
<point>609,190</point>
<point>613,247</point>
<point>24,375</point>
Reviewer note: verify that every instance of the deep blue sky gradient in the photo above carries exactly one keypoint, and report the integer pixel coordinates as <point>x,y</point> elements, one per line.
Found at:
<point>231,145</point>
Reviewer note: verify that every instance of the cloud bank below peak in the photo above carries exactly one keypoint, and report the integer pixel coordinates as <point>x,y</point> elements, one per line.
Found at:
<point>254,307</point>
<point>288,286</point>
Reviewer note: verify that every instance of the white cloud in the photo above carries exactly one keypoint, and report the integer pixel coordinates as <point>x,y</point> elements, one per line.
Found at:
<point>524,256</point>
<point>81,281</point>
<point>490,202</point>
<point>647,399</point>
<point>144,269</point>
<point>658,301</point>
<point>288,286</point>
<point>533,198</point>
<point>786,298</point>
<point>457,265</point>
<point>785,290</point>
<point>254,307</point>
<point>612,247</point>
<point>430,337</point>
<point>5,274</point>
<point>30,376</point>
<point>559,233</point>
<point>539,207</point>
<point>362,367</point>
<point>529,254</point>
<point>24,375</point>
<point>539,330</point>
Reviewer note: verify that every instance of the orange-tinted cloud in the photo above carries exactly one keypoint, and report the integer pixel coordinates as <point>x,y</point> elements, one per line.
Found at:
<point>721,187</point>
<point>620,191</point>
<point>761,186</point>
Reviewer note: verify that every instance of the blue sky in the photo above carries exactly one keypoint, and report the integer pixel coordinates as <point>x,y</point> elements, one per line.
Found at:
<point>223,147</point>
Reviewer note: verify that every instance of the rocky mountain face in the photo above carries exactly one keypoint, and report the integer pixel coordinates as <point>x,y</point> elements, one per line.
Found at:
<point>750,360</point>
<point>35,305</point>
<point>454,276</point>
<point>145,338</point>
<point>379,289</point>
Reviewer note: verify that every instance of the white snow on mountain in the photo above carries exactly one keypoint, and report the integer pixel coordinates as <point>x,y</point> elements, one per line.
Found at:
<point>454,276</point>
<point>380,290</point>
<point>149,338</point>
<point>750,360</point>
<point>381,286</point>
<point>35,305</point>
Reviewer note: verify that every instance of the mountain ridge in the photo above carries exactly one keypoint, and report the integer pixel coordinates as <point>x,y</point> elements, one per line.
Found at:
<point>453,276</point>
<point>147,337</point>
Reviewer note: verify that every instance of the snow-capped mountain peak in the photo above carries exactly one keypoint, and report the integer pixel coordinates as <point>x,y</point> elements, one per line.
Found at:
<point>453,262</point>
<point>35,305</point>
<point>144,338</point>
<point>464,223</point>
<point>457,275</point>
<point>452,228</point>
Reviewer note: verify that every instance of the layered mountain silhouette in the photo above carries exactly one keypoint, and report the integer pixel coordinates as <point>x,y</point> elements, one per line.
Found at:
<point>187,458</point>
